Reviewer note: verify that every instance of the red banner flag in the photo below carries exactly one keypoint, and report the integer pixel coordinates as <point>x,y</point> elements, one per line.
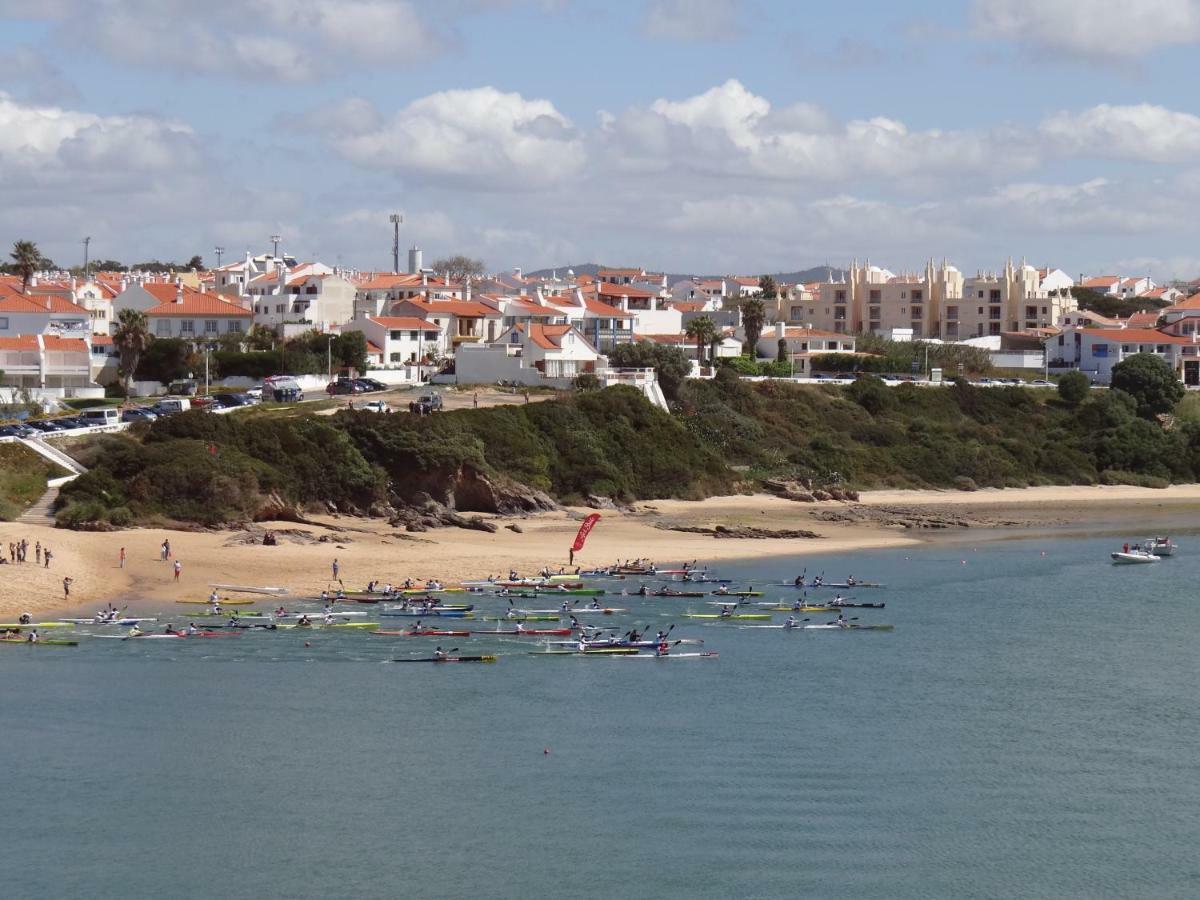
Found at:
<point>584,530</point>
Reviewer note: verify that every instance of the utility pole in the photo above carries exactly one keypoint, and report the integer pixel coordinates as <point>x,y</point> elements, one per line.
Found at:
<point>275,242</point>
<point>395,219</point>
<point>86,270</point>
<point>329,358</point>
<point>220,251</point>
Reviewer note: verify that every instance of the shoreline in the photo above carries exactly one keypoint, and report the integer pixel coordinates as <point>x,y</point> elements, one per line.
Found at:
<point>370,549</point>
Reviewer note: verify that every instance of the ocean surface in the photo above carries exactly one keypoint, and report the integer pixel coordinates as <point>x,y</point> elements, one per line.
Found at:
<point>1030,729</point>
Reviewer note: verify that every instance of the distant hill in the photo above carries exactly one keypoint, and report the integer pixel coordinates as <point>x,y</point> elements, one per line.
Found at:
<point>818,273</point>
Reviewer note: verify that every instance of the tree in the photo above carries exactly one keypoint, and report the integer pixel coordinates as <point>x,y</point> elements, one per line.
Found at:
<point>459,266</point>
<point>781,355</point>
<point>1074,387</point>
<point>196,262</point>
<point>670,364</point>
<point>584,382</point>
<point>26,260</point>
<point>702,330</point>
<point>131,340</point>
<point>754,317</point>
<point>1150,381</point>
<point>165,360</point>
<point>770,290</point>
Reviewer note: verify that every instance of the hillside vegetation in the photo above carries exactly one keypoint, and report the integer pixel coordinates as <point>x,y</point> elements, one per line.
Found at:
<point>212,470</point>
<point>23,476</point>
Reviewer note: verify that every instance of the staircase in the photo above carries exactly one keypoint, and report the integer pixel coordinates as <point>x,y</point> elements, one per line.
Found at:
<point>39,513</point>
<point>56,456</point>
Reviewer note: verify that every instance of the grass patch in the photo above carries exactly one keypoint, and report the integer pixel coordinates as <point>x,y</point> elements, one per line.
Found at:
<point>23,477</point>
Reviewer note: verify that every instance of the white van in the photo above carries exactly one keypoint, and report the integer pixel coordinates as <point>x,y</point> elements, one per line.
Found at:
<point>170,405</point>
<point>101,415</point>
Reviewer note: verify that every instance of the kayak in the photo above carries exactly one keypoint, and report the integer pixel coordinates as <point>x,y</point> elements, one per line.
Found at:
<point>671,594</point>
<point>703,654</point>
<point>422,633</point>
<point>602,651</point>
<point>243,589</point>
<point>644,645</point>
<point>46,643</point>
<point>429,614</point>
<point>532,632</point>
<point>223,602</point>
<point>737,593</point>
<point>431,590</point>
<point>602,611</point>
<point>334,625</point>
<point>450,659</point>
<point>854,626</point>
<point>570,592</point>
<point>734,616</point>
<point>842,585</point>
<point>35,625</point>
<point>125,622</point>
<point>521,618</point>
<point>439,607</point>
<point>833,608</point>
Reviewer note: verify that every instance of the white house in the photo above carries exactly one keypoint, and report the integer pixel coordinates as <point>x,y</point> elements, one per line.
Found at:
<point>305,295</point>
<point>802,344</point>
<point>531,354</point>
<point>176,311</point>
<point>402,339</point>
<point>48,363</point>
<point>1094,351</point>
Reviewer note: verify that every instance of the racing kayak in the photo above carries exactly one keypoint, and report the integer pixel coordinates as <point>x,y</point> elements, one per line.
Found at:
<point>521,618</point>
<point>35,625</point>
<point>671,594</point>
<point>431,590</point>
<point>334,625</point>
<point>40,643</point>
<point>422,633</point>
<point>532,632</point>
<point>450,659</point>
<point>703,654</point>
<point>644,645</point>
<point>125,622</point>
<point>223,602</point>
<point>600,651</point>
<point>737,593</point>
<point>734,616</point>
<point>439,607</point>
<point>853,626</point>
<point>435,613</point>
<point>829,608</point>
<point>571,610</point>
<point>244,589</point>
<point>842,585</point>
<point>569,592</point>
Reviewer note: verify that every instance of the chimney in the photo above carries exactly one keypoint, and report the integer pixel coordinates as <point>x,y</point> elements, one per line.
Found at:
<point>539,298</point>
<point>578,295</point>
<point>424,279</point>
<point>178,292</point>
<point>780,330</point>
<point>467,288</point>
<point>203,286</point>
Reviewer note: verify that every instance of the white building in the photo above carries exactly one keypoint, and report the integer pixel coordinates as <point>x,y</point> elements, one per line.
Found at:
<point>175,311</point>
<point>530,354</point>
<point>802,344</point>
<point>403,340</point>
<point>48,364</point>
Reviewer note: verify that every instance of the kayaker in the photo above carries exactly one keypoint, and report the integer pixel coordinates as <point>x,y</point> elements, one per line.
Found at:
<point>25,619</point>
<point>565,608</point>
<point>439,653</point>
<point>841,621</point>
<point>304,622</point>
<point>726,612</point>
<point>328,618</point>
<point>34,637</point>
<point>520,628</point>
<point>851,581</point>
<point>214,598</point>
<point>723,589</point>
<point>325,597</point>
<point>192,629</point>
<point>281,611</point>
<point>596,604</point>
<point>643,591</point>
<point>662,649</point>
<point>799,582</point>
<point>790,623</point>
<point>135,631</point>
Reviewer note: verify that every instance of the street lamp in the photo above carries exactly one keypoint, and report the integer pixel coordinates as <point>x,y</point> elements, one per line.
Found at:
<point>395,219</point>
<point>220,251</point>
<point>86,265</point>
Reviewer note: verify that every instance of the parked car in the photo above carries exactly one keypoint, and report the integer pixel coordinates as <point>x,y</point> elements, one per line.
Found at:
<point>45,426</point>
<point>138,414</point>
<point>343,387</point>
<point>168,406</point>
<point>9,431</point>
<point>101,415</point>
<point>67,423</point>
<point>1041,382</point>
<point>377,406</point>
<point>426,403</point>
<point>254,395</point>
<point>230,400</point>
<point>373,384</point>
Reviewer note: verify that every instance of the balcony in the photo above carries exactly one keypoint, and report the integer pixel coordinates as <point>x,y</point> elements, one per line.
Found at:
<point>466,339</point>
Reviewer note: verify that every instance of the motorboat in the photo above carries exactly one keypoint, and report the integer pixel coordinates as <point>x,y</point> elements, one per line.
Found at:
<point>1159,546</point>
<point>1133,556</point>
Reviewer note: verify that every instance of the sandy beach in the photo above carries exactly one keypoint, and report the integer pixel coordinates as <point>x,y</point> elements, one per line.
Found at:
<point>371,550</point>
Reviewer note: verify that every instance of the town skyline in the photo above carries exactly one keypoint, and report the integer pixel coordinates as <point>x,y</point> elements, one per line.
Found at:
<point>717,135</point>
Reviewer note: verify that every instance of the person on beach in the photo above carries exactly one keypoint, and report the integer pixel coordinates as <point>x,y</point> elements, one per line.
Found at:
<point>46,555</point>
<point>37,552</point>
<point>67,587</point>
<point>162,552</point>
<point>178,569</point>
<point>336,568</point>
<point>167,547</point>
<point>121,559</point>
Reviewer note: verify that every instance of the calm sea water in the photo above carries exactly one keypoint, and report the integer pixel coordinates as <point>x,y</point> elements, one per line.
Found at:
<point>1030,729</point>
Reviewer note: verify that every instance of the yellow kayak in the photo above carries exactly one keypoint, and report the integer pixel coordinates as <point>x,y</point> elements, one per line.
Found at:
<point>223,602</point>
<point>37,625</point>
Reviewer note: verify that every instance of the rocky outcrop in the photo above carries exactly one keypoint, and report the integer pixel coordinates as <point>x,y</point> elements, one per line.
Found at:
<point>803,491</point>
<point>741,531</point>
<point>466,489</point>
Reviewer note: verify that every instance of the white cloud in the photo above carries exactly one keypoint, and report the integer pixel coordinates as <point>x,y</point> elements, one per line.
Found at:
<point>26,71</point>
<point>1143,132</point>
<point>1099,29</point>
<point>282,40</point>
<point>480,138</point>
<point>692,20</point>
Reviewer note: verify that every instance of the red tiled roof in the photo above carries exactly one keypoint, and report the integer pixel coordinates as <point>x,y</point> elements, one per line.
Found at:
<point>54,342</point>
<point>619,273</point>
<point>622,290</point>
<point>20,342</point>
<point>1135,335</point>
<point>463,309</point>
<point>405,323</point>
<point>548,337</point>
<point>38,303</point>
<point>194,303</point>
<point>810,332</point>
<point>1143,318</point>
<point>371,348</point>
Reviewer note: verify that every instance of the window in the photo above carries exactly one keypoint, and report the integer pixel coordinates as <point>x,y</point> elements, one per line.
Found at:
<point>981,295</point>
<point>918,296</point>
<point>234,327</point>
<point>162,327</point>
<point>279,308</point>
<point>916,329</point>
<point>951,329</point>
<point>876,296</point>
<point>874,312</point>
<point>414,335</point>
<point>839,296</point>
<point>514,337</point>
<point>902,310</point>
<point>1127,348</point>
<point>1031,311</point>
<point>994,328</point>
<point>995,297</point>
<point>916,312</point>
<point>4,323</point>
<point>1099,350</point>
<point>210,326</point>
<point>994,312</point>
<point>1061,341</point>
<point>981,309</point>
<point>796,313</point>
<point>904,295</point>
<point>951,312</point>
<point>187,326</point>
<point>840,315</point>
<point>1160,348</point>
<point>1043,310</point>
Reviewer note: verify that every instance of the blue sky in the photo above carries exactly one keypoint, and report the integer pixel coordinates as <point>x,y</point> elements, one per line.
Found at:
<point>688,135</point>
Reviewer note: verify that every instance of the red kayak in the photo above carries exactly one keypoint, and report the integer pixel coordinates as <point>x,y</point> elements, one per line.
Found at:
<point>561,632</point>
<point>422,633</point>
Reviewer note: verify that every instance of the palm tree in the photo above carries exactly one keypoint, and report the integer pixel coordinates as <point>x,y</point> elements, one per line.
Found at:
<point>703,331</point>
<point>754,317</point>
<point>131,340</point>
<point>26,259</point>
<point>769,289</point>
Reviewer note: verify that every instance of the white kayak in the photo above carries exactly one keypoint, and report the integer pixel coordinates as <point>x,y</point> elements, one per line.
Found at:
<point>1133,558</point>
<point>126,622</point>
<point>244,589</point>
<point>852,626</point>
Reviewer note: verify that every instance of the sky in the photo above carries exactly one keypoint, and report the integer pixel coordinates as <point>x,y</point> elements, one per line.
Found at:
<point>715,136</point>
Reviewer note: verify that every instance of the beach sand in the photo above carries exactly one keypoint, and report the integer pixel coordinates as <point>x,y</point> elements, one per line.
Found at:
<point>371,550</point>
